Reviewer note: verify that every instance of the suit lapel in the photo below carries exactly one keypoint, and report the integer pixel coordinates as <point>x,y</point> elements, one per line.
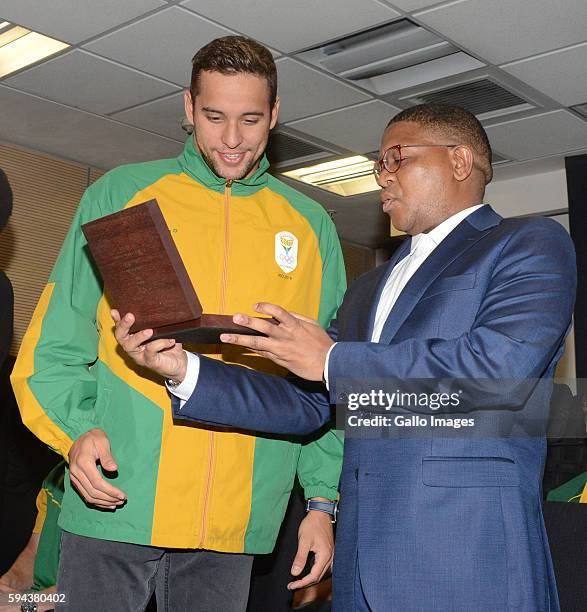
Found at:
<point>373,296</point>
<point>452,247</point>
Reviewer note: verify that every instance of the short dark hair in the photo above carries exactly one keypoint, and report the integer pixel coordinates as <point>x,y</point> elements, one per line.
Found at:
<point>454,123</point>
<point>234,55</point>
<point>5,199</point>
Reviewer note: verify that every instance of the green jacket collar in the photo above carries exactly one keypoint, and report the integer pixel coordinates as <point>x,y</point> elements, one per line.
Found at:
<point>193,164</point>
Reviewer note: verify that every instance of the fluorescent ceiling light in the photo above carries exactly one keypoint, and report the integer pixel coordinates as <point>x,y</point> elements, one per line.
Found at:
<point>11,34</point>
<point>20,47</point>
<point>345,177</point>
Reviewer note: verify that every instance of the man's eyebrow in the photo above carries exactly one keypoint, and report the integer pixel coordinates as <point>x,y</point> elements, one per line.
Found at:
<point>209,109</point>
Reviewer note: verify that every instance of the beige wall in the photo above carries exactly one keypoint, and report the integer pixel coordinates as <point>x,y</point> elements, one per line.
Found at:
<point>527,195</point>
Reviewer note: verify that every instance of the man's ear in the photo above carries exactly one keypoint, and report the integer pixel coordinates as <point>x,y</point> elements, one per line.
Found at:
<point>274,113</point>
<point>462,162</point>
<point>188,106</point>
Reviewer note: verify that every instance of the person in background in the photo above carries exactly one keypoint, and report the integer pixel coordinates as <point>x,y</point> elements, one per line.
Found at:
<point>149,506</point>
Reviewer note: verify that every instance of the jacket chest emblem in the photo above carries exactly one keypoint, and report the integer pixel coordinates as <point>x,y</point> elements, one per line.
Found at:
<point>286,251</point>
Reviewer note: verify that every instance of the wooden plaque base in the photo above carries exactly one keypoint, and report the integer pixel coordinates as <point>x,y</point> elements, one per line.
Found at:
<point>204,330</point>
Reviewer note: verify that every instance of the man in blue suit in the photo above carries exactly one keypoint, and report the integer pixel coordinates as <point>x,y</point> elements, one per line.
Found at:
<point>427,522</point>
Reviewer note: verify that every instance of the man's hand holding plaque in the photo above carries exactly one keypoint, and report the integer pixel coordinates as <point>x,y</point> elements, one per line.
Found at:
<point>164,356</point>
<point>298,343</point>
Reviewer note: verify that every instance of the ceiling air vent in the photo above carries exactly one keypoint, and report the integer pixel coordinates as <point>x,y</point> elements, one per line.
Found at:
<point>391,57</point>
<point>390,47</point>
<point>484,98</point>
<point>286,150</point>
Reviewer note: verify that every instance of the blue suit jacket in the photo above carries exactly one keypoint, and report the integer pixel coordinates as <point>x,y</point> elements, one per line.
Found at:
<point>434,523</point>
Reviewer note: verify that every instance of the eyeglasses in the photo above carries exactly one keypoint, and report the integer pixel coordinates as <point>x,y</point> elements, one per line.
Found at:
<point>392,158</point>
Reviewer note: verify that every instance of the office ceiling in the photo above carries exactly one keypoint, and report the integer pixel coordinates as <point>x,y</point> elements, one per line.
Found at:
<point>115,96</point>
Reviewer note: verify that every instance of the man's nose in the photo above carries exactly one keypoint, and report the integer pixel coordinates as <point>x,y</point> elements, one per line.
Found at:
<point>385,178</point>
<point>231,136</point>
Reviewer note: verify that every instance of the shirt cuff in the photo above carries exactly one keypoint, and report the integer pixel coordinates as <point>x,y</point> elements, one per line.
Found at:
<point>184,390</point>
<point>326,366</point>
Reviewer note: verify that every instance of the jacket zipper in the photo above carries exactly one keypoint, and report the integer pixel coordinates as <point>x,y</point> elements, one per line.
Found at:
<point>223,288</point>
<point>227,193</point>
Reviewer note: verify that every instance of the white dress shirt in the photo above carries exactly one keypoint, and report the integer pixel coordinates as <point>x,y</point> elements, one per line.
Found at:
<point>421,247</point>
<point>184,390</point>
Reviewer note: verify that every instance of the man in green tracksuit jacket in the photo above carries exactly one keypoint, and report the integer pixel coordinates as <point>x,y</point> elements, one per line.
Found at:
<point>241,234</point>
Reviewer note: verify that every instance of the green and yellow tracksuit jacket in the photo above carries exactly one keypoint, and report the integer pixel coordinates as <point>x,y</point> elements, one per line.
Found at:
<point>187,486</point>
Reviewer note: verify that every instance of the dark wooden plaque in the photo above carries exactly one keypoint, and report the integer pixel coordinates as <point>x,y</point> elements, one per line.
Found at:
<point>144,274</point>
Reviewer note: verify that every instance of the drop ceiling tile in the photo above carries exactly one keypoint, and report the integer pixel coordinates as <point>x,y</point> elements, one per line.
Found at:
<point>161,116</point>
<point>560,74</point>
<point>305,91</point>
<point>74,20</point>
<point>162,44</point>
<point>540,135</point>
<point>74,134</point>
<point>85,81</point>
<point>505,31</point>
<point>293,25</point>
<point>357,129</point>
